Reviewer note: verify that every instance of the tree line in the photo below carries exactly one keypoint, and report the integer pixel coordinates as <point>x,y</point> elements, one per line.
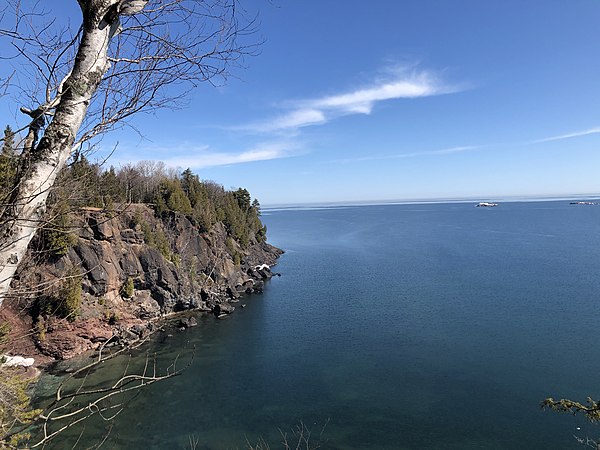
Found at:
<point>85,184</point>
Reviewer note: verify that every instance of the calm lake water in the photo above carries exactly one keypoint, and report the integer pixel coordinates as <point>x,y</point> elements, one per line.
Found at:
<point>437,326</point>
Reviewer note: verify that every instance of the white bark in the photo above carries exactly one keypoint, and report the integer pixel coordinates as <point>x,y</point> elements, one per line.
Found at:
<point>148,55</point>
<point>54,148</point>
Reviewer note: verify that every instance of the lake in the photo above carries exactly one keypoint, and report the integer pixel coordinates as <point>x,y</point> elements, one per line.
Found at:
<point>432,326</point>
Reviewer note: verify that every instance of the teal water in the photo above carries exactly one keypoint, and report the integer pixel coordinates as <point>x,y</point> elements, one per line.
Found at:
<point>435,326</point>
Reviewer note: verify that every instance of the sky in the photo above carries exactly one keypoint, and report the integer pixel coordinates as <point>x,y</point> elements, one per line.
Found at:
<point>388,100</point>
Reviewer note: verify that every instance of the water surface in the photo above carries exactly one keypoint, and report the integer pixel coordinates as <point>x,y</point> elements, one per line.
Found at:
<point>437,326</point>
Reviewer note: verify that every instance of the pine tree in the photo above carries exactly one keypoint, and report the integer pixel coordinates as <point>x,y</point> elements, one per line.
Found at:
<point>8,144</point>
<point>8,164</point>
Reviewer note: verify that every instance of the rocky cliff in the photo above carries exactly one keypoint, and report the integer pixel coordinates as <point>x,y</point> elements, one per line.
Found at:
<point>123,270</point>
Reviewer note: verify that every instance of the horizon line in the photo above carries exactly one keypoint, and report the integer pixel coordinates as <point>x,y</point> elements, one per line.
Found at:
<point>440,200</point>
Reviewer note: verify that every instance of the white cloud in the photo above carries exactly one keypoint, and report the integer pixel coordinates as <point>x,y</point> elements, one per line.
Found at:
<point>361,101</point>
<point>293,120</point>
<point>213,159</point>
<point>317,111</point>
<point>396,84</point>
<point>594,130</point>
<point>446,151</point>
<point>443,151</point>
<point>203,157</point>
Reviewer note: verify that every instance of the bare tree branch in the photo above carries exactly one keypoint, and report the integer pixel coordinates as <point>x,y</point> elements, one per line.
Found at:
<point>124,57</point>
<point>75,403</point>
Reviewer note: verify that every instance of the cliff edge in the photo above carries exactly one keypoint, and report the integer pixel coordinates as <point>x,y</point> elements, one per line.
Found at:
<point>125,269</point>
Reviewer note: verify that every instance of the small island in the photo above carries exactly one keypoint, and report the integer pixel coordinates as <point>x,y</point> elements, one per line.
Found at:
<point>486,204</point>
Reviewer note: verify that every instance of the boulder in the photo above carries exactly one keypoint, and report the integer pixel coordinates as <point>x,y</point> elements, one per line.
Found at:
<point>233,293</point>
<point>139,330</point>
<point>259,286</point>
<point>265,272</point>
<point>223,308</point>
<point>102,227</point>
<point>148,308</point>
<point>187,322</point>
<point>183,304</point>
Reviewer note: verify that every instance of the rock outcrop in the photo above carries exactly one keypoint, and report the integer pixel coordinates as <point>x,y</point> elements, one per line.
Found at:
<point>134,268</point>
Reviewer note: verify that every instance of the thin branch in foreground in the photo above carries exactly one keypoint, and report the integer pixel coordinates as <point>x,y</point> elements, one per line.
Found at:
<point>73,406</point>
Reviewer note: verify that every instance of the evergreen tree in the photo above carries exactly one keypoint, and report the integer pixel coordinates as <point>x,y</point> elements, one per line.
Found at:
<point>256,206</point>
<point>8,145</point>
<point>243,198</point>
<point>111,190</point>
<point>8,164</point>
<point>172,197</point>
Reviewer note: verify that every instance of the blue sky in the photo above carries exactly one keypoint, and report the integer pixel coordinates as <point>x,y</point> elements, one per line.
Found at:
<point>396,100</point>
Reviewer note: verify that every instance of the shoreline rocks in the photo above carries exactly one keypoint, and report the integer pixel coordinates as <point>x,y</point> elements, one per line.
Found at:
<point>129,282</point>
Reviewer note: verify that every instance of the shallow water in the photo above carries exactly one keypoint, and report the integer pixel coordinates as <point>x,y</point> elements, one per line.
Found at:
<point>435,326</point>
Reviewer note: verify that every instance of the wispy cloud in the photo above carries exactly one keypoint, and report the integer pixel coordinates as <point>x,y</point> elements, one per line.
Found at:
<point>290,121</point>
<point>446,151</point>
<point>203,157</point>
<point>285,127</point>
<point>362,101</point>
<point>560,137</point>
<point>443,151</point>
<point>401,84</point>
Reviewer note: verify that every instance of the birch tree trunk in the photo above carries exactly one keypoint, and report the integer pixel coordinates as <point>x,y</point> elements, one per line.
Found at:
<point>44,161</point>
<point>169,42</point>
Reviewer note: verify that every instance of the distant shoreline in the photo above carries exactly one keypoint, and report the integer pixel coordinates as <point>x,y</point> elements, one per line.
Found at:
<point>324,205</point>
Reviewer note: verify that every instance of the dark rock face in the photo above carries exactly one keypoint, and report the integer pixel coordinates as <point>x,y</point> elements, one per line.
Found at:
<point>188,271</point>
